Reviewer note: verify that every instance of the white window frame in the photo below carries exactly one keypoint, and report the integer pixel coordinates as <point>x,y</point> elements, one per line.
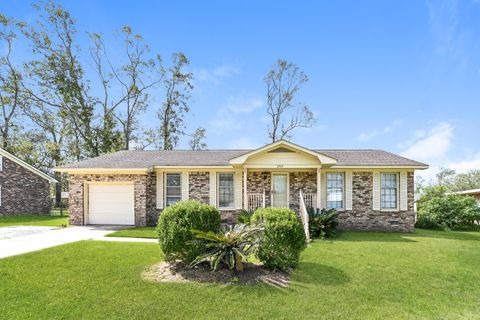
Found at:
<point>397,194</point>
<point>218,191</point>
<point>165,203</point>
<point>343,190</point>
<point>1,163</point>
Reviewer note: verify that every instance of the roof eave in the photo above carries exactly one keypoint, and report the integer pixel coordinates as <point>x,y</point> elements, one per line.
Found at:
<point>27,166</point>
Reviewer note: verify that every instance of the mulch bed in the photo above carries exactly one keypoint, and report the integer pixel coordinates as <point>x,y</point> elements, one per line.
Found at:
<point>252,274</point>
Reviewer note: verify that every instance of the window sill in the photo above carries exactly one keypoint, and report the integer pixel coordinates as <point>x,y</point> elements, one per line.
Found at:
<point>390,210</point>
<point>227,209</point>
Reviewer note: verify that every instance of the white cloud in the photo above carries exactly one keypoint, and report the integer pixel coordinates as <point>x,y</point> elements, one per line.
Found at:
<point>230,116</point>
<point>216,74</point>
<point>430,146</point>
<point>472,163</point>
<point>366,136</point>
<point>243,105</point>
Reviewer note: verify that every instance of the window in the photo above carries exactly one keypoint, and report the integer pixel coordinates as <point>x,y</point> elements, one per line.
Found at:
<point>1,163</point>
<point>334,190</point>
<point>388,187</point>
<point>173,188</point>
<point>226,197</point>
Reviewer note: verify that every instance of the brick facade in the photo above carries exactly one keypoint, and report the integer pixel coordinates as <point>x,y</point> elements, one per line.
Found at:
<point>22,191</point>
<point>361,217</point>
<point>305,181</point>
<point>199,186</point>
<point>77,188</point>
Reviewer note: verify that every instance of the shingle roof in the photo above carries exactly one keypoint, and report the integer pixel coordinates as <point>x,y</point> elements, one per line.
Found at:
<point>137,159</point>
<point>368,157</point>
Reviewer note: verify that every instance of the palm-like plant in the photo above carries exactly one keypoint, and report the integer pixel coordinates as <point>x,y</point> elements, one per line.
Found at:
<point>229,247</point>
<point>323,223</point>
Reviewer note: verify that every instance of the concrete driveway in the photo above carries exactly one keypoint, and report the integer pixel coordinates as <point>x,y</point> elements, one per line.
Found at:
<point>18,240</point>
<point>19,231</point>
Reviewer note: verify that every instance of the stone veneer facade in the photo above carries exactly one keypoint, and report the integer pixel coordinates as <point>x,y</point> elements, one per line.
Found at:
<point>361,217</point>
<point>22,191</point>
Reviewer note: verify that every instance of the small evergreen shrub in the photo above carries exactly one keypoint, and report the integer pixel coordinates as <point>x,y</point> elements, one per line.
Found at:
<point>175,226</point>
<point>284,237</point>
<point>244,216</point>
<point>322,223</point>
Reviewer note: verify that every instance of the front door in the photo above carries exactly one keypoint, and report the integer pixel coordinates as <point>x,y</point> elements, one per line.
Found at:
<point>280,190</point>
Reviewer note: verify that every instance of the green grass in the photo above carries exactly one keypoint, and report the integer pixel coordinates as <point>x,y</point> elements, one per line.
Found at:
<point>426,275</point>
<point>54,220</point>
<point>137,232</point>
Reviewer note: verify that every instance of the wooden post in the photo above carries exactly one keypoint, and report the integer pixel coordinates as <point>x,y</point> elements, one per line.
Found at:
<point>245,195</point>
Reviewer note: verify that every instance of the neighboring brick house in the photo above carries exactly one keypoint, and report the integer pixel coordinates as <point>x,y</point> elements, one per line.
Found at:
<point>23,188</point>
<point>372,189</point>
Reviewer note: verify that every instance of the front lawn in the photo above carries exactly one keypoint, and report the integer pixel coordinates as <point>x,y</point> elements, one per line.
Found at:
<point>136,232</point>
<point>429,274</point>
<point>34,220</point>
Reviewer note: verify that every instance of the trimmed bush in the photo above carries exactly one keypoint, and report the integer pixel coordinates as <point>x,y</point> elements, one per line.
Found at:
<point>439,210</point>
<point>175,226</point>
<point>284,237</point>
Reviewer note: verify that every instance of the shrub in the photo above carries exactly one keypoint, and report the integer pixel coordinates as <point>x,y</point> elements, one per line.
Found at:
<point>439,210</point>
<point>284,237</point>
<point>322,223</point>
<point>244,216</point>
<point>229,247</point>
<point>175,226</point>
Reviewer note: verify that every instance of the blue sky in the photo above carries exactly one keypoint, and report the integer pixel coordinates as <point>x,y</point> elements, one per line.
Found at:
<point>403,76</point>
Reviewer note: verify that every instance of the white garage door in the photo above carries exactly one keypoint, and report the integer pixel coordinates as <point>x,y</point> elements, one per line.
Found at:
<point>111,204</point>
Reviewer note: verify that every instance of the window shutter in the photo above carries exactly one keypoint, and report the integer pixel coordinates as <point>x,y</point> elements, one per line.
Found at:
<point>323,190</point>
<point>348,190</point>
<point>159,190</point>
<point>319,188</point>
<point>403,191</point>
<point>376,191</point>
<point>185,185</point>
<point>213,188</point>
<point>237,189</point>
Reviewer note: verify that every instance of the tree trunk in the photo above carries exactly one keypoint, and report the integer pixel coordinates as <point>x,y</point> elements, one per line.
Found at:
<point>58,190</point>
<point>238,262</point>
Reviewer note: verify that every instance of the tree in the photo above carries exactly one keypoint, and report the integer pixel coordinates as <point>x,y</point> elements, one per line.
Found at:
<point>197,139</point>
<point>284,81</point>
<point>454,181</point>
<point>445,176</point>
<point>12,99</point>
<point>135,77</point>
<point>178,85</point>
<point>58,91</point>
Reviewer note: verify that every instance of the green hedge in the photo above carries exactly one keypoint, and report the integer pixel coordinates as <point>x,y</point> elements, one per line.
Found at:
<point>284,237</point>
<point>175,224</point>
<point>437,209</point>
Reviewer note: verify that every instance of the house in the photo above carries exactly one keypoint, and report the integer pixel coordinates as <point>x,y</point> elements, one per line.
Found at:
<point>372,189</point>
<point>23,188</point>
<point>472,192</point>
